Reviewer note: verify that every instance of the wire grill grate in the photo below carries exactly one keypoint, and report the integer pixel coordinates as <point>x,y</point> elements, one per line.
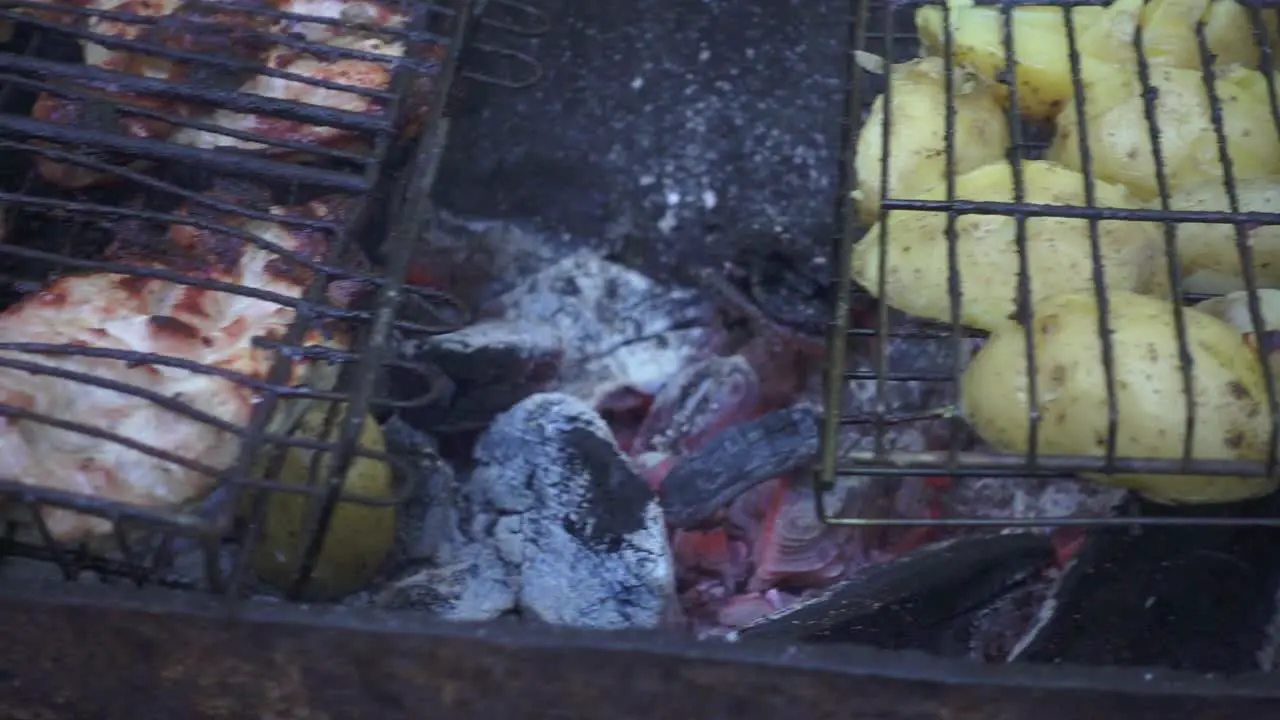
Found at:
<point>197,163</point>
<point>866,331</point>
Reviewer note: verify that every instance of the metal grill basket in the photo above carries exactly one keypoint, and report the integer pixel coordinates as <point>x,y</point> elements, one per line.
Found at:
<point>882,349</point>
<point>206,161</point>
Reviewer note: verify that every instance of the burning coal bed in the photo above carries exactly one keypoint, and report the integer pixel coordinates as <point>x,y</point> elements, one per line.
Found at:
<point>628,453</point>
<point>620,452</point>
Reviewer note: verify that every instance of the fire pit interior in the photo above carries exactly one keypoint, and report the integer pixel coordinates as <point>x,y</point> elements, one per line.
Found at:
<point>663,413</point>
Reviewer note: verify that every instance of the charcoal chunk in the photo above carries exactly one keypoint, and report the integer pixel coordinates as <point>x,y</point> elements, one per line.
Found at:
<point>556,525</point>
<point>911,600</point>
<point>492,365</point>
<point>1188,597</point>
<point>619,326</point>
<point>738,459</point>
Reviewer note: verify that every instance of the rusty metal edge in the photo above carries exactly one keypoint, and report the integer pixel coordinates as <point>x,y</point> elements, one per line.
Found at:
<point>90,651</point>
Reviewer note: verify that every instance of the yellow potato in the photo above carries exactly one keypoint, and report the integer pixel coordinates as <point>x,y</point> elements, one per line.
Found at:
<point>1104,37</point>
<point>917,136</point>
<point>1207,253</point>
<point>1231,421</point>
<point>1169,32</point>
<point>1119,136</point>
<point>359,536</point>
<point>1059,249</point>
<point>1040,45</point>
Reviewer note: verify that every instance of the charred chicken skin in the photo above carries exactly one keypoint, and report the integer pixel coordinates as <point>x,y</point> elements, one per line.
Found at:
<point>354,52</point>
<point>130,314</point>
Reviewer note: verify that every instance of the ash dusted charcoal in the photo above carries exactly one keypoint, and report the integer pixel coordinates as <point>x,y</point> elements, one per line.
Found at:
<point>556,526</point>
<point>1189,597</point>
<point>737,459</point>
<point>617,498</point>
<point>617,327</point>
<point>594,546</point>
<point>492,364</point>
<point>582,325</point>
<point>910,600</point>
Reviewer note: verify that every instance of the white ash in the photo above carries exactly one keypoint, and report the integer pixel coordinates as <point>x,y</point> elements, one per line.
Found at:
<point>583,325</point>
<point>616,326</point>
<point>556,525</point>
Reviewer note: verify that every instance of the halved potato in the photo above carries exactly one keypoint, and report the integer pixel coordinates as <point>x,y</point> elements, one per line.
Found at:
<point>1119,135</point>
<point>1059,250</point>
<point>1040,44</point>
<point>1104,38</point>
<point>918,132</point>
<point>1228,392</point>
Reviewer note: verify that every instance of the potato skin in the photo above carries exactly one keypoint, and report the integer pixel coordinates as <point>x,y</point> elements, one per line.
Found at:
<point>1207,253</point>
<point>1120,137</point>
<point>359,536</point>
<point>1230,394</point>
<point>917,136</point>
<point>1104,37</point>
<point>1169,32</point>
<point>1059,249</point>
<point>1040,46</point>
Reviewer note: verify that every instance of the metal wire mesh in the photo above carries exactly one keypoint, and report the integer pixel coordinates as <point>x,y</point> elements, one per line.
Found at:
<point>175,171</point>
<point>865,328</point>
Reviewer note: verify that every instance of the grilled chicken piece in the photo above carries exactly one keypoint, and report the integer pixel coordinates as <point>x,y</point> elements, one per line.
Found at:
<point>229,28</point>
<point>356,72</point>
<point>232,29</point>
<point>107,311</point>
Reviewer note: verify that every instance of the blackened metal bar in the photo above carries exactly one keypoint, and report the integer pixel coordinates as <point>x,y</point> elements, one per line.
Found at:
<point>537,22</point>
<point>1244,244</point>
<point>532,73</point>
<point>362,386</point>
<point>955,286</point>
<point>840,253</point>
<point>1100,287</point>
<point>229,99</point>
<point>225,161</point>
<point>894,462</point>
<point>184,659</point>
<point>991,207</point>
<point>415,209</point>
<point>77,92</point>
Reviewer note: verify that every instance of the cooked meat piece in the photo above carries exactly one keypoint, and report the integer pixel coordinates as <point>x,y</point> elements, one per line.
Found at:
<point>228,27</point>
<point>356,72</point>
<point>130,313</point>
